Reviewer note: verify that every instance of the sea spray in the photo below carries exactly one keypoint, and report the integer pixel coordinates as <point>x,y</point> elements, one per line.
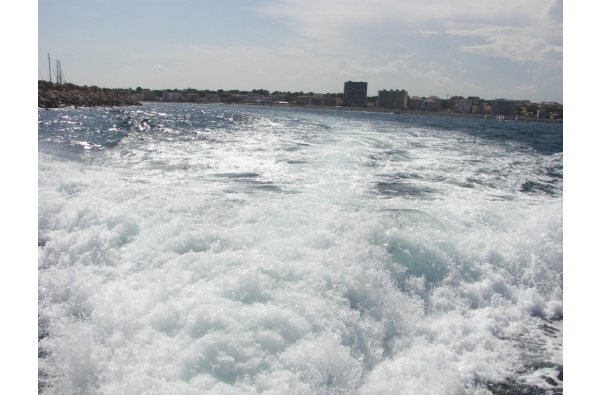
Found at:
<point>221,249</point>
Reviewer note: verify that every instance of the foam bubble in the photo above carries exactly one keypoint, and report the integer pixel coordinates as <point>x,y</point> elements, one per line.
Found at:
<point>245,250</point>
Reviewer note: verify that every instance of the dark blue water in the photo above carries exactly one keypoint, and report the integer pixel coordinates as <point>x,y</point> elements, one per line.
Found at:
<point>103,127</point>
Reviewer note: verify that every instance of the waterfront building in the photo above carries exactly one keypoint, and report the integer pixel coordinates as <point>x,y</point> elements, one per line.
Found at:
<point>315,100</point>
<point>415,103</point>
<point>470,104</point>
<point>172,96</point>
<point>330,101</point>
<point>479,109</point>
<point>432,103</point>
<point>396,99</point>
<point>355,94</point>
<point>192,97</point>
<point>148,95</point>
<point>278,97</point>
<point>303,100</point>
<point>504,107</point>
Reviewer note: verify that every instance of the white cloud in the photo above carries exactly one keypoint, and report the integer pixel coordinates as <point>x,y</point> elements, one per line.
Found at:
<point>407,66</point>
<point>432,46</point>
<point>244,67</point>
<point>468,47</point>
<point>505,28</point>
<point>516,43</point>
<point>307,15</point>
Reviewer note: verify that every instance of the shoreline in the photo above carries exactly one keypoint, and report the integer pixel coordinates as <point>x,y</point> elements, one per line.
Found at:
<point>371,109</point>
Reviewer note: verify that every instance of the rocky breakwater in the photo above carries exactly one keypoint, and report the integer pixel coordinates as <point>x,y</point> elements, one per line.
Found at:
<point>51,95</point>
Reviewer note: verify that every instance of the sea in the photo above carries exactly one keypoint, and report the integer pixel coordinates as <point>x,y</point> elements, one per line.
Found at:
<point>231,249</point>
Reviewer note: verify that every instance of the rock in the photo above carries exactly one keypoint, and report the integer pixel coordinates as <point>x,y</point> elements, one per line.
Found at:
<point>52,95</point>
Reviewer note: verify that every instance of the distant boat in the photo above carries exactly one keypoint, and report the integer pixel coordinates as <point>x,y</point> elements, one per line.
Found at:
<point>59,75</point>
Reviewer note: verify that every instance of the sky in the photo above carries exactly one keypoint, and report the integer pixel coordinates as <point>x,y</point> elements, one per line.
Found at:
<point>502,49</point>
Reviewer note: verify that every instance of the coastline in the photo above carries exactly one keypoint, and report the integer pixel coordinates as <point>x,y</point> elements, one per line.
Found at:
<point>51,95</point>
<point>370,109</point>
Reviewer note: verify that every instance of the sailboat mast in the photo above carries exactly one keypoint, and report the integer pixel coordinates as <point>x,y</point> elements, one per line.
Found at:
<point>49,68</point>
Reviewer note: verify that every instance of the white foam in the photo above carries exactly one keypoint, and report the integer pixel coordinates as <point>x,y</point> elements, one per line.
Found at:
<point>159,274</point>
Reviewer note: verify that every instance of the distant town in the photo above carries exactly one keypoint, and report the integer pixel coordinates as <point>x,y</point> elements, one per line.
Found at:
<point>355,95</point>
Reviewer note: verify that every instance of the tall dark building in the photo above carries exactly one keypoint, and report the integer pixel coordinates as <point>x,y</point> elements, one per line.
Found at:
<point>355,94</point>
